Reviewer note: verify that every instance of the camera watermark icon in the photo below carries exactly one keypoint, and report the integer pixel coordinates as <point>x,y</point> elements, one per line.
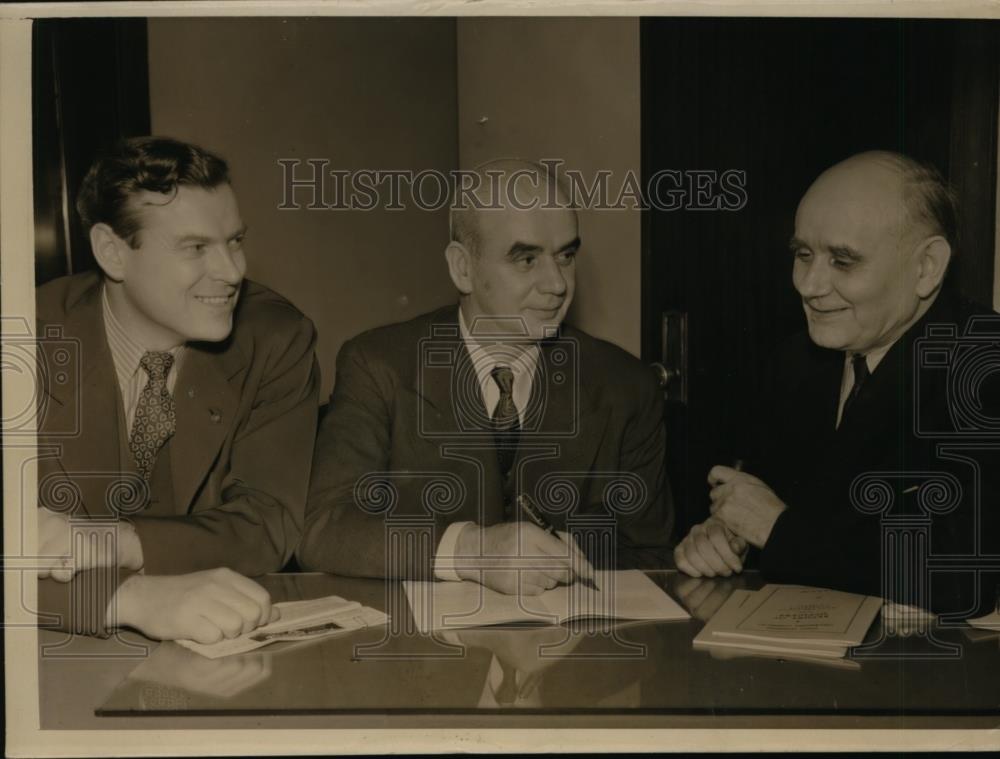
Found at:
<point>44,370</point>
<point>450,371</point>
<point>962,365</point>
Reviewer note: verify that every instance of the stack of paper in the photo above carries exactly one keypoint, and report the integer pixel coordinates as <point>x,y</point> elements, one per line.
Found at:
<point>299,620</point>
<point>791,620</point>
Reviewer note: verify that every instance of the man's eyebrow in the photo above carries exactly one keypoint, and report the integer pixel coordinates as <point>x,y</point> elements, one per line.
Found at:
<point>841,251</point>
<point>796,244</point>
<point>519,248</point>
<point>845,251</point>
<point>196,238</point>
<point>192,238</point>
<point>571,245</point>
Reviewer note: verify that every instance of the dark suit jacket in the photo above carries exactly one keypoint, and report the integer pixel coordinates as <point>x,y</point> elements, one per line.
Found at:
<point>845,486</point>
<point>406,445</point>
<point>240,456</point>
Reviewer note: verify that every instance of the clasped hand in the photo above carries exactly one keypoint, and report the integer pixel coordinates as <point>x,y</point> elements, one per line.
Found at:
<point>744,510</point>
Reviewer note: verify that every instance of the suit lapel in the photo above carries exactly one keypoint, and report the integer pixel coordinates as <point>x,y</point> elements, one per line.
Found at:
<point>205,404</point>
<point>565,408</point>
<point>88,409</point>
<point>885,406</point>
<point>445,382</point>
<point>877,409</point>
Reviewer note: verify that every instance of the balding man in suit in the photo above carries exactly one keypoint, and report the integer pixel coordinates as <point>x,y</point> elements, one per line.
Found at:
<point>491,399</point>
<point>858,416</point>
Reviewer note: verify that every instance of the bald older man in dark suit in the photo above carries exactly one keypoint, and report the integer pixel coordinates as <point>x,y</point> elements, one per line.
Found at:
<point>873,459</point>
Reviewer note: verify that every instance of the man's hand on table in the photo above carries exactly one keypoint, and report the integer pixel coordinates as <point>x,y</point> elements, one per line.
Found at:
<point>501,558</point>
<point>745,504</point>
<point>711,549</point>
<point>55,546</point>
<point>202,606</point>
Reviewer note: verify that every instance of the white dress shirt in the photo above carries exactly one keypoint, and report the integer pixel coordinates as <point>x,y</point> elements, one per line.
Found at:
<point>485,358</point>
<point>126,354</point>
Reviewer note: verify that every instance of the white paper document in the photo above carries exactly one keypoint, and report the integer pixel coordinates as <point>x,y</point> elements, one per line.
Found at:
<point>623,595</point>
<point>300,620</point>
<point>989,622</point>
<point>790,620</point>
<point>799,614</point>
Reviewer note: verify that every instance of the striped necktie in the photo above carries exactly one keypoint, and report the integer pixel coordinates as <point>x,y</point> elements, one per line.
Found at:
<point>505,420</point>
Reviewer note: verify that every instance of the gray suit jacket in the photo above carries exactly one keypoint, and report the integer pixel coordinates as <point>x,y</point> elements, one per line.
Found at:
<point>240,456</point>
<point>406,449</point>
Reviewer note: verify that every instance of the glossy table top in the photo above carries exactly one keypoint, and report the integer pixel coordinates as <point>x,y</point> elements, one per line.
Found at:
<point>630,674</point>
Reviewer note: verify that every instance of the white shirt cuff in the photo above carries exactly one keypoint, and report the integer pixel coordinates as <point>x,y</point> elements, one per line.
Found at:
<point>444,560</point>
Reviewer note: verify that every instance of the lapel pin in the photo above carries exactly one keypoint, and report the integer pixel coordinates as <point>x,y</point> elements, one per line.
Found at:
<point>191,392</point>
<point>215,415</point>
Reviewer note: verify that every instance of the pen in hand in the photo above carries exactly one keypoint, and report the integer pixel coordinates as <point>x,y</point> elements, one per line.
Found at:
<point>533,513</point>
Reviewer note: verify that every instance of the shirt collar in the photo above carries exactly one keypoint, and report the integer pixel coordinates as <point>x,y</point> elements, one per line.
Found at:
<point>125,351</point>
<point>522,361</point>
<point>873,357</point>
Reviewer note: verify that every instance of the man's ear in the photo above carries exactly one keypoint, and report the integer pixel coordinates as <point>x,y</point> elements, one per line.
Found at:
<point>933,257</point>
<point>460,265</point>
<point>109,250</point>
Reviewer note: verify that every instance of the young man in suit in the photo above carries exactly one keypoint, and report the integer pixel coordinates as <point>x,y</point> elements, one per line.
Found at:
<point>191,419</point>
<point>438,424</point>
<point>859,418</point>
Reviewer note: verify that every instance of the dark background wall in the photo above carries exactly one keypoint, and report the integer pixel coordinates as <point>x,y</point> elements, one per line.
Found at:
<point>782,100</point>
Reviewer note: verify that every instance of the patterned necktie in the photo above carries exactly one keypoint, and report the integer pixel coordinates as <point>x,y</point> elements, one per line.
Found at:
<point>860,365</point>
<point>155,420</point>
<point>506,423</point>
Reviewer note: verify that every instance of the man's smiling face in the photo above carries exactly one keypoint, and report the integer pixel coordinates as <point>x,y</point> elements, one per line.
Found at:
<point>854,263</point>
<point>524,272</point>
<point>183,279</point>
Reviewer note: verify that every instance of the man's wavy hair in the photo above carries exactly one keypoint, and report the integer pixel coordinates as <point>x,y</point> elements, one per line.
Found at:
<point>137,164</point>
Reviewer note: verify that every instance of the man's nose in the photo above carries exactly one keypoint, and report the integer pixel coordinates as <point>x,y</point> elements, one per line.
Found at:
<point>227,265</point>
<point>812,278</point>
<point>551,278</point>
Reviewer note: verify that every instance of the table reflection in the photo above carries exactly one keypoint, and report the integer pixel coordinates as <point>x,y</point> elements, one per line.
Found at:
<point>600,668</point>
<point>173,675</point>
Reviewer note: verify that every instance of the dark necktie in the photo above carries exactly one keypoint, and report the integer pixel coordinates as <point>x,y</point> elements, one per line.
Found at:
<point>155,420</point>
<point>506,424</point>
<point>860,365</point>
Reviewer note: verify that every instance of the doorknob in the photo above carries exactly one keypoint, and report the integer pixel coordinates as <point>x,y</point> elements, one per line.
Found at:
<point>672,369</point>
<point>664,376</point>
